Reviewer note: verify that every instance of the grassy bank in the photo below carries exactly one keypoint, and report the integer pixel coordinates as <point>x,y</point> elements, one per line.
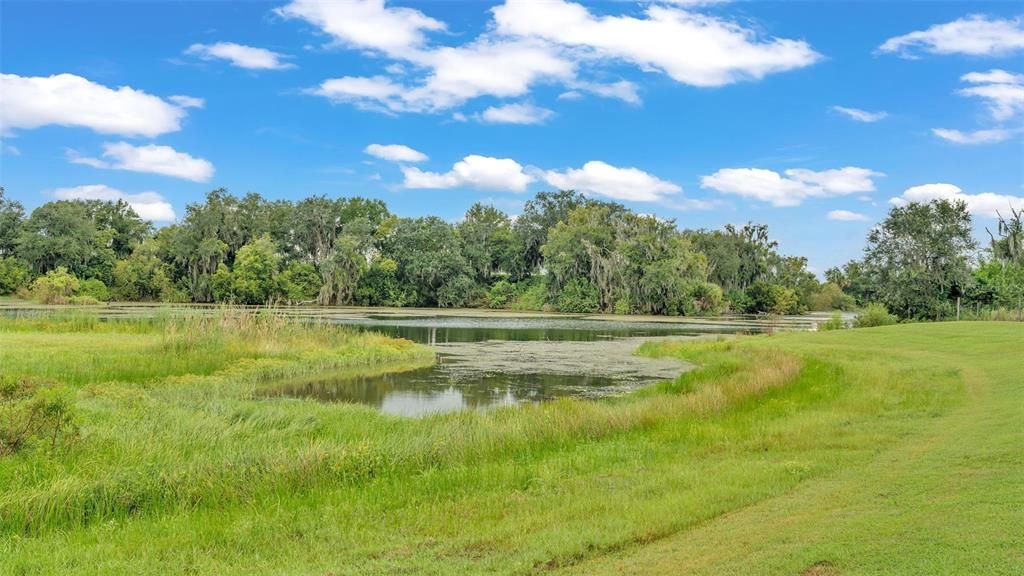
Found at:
<point>180,468</point>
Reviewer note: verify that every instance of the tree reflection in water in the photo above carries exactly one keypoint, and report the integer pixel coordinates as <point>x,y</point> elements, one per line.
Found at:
<point>437,389</point>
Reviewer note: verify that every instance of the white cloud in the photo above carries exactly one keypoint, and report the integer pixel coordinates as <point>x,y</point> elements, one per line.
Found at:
<point>485,67</point>
<point>69,100</point>
<point>977,137</point>
<point>993,76</point>
<point>974,35</point>
<point>187,101</point>
<point>860,115</point>
<point>695,3</point>
<point>150,158</point>
<point>374,93</point>
<point>692,48</point>
<point>9,150</point>
<point>500,69</point>
<point>983,204</point>
<point>533,42</point>
<point>366,24</point>
<point>793,186</point>
<point>1003,91</point>
<point>516,114</point>
<point>570,95</point>
<point>148,205</point>
<point>596,177</point>
<point>395,153</point>
<point>622,90</point>
<point>846,216</point>
<point>474,171</point>
<point>240,55</point>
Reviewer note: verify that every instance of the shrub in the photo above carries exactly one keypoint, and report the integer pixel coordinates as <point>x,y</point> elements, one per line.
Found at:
<point>456,292</point>
<point>702,298</point>
<point>221,284</point>
<point>93,288</point>
<point>143,276</point>
<point>254,276</point>
<point>501,294</point>
<point>874,314</point>
<point>14,274</point>
<point>300,282</point>
<point>379,286</point>
<point>55,287</point>
<point>33,410</point>
<point>622,306</point>
<point>578,296</point>
<point>829,297</point>
<point>772,298</point>
<point>737,300</point>
<point>531,295</point>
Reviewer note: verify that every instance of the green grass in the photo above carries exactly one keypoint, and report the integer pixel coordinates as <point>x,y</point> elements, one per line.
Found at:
<point>893,450</point>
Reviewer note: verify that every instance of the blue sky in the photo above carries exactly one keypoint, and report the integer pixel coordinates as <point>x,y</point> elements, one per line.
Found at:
<point>706,112</point>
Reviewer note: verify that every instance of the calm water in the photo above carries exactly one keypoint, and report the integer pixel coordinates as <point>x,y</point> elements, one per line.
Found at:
<point>439,389</point>
<point>486,361</point>
<point>445,329</point>
<point>552,358</point>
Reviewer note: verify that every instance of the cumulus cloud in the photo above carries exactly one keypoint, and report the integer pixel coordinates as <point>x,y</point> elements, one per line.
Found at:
<point>516,114</point>
<point>487,67</point>
<point>596,177</point>
<point>536,42</point>
<point>148,205</point>
<point>982,204</point>
<point>373,93</point>
<point>846,216</point>
<point>150,158</point>
<point>988,136</point>
<point>860,115</point>
<point>474,171</point>
<point>500,69</point>
<point>395,153</point>
<point>974,35</point>
<point>28,102</point>
<point>692,48</point>
<point>793,186</point>
<point>366,24</point>
<point>240,55</point>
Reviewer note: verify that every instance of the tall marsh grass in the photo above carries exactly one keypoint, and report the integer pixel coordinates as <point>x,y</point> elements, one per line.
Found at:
<point>198,468</point>
<point>178,422</point>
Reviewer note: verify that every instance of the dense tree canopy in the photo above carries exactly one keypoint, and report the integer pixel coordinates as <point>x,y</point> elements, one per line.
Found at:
<point>565,252</point>
<point>918,259</point>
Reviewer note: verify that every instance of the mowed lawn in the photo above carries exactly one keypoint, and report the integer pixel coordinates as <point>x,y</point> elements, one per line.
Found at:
<point>947,498</point>
<point>895,450</point>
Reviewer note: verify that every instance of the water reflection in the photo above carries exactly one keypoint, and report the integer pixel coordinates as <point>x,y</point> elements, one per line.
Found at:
<point>443,388</point>
<point>434,330</point>
<point>486,359</point>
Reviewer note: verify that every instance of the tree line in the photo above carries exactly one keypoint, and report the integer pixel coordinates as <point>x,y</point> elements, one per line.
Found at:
<point>565,252</point>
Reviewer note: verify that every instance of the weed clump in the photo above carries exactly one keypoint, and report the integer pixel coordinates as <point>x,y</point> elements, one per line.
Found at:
<point>34,411</point>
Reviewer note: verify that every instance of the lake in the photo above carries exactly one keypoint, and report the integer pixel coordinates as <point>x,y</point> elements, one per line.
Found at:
<point>488,359</point>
